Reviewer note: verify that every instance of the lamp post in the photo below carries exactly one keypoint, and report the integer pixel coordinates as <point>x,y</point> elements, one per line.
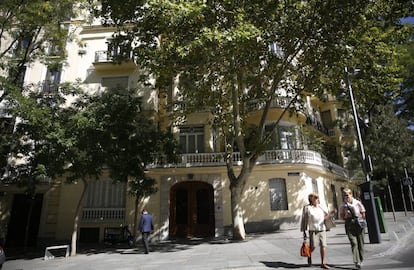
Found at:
<point>366,188</point>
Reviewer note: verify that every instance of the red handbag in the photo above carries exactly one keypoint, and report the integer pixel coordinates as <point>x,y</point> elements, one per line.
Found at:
<point>305,250</point>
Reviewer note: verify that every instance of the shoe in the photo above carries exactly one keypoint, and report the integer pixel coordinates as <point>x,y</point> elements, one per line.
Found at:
<point>357,265</point>
<point>325,266</point>
<point>309,261</point>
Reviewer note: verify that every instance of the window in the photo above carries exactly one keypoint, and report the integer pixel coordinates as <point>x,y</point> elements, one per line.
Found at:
<point>275,142</point>
<point>192,139</point>
<point>327,119</point>
<point>115,82</point>
<point>52,80</point>
<point>315,186</point>
<point>278,195</point>
<point>283,138</point>
<point>287,138</point>
<point>105,194</point>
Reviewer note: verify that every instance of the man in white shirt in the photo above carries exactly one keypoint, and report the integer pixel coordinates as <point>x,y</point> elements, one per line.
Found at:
<point>349,209</point>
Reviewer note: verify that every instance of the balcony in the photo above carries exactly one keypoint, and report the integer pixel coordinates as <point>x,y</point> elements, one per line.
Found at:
<point>268,157</point>
<point>103,214</point>
<point>259,104</point>
<point>106,60</point>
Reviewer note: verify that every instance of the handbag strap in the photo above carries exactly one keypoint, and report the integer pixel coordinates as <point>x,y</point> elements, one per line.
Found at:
<point>351,209</point>
<point>323,210</point>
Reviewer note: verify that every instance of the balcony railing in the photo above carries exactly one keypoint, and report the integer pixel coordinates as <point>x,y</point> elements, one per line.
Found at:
<point>279,102</point>
<point>103,214</point>
<point>268,157</point>
<point>108,56</point>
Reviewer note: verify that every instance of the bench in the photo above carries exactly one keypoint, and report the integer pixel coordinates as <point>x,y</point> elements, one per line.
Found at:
<point>49,255</point>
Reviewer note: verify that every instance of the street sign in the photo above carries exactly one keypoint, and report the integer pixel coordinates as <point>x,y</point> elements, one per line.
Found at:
<point>408,181</point>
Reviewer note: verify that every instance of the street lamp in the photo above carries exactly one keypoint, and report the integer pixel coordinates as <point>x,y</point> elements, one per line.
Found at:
<point>367,197</point>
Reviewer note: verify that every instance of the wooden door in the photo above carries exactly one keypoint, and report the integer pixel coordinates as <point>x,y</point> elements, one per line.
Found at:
<point>191,210</point>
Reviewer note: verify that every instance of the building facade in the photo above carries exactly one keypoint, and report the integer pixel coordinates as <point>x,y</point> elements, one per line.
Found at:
<point>193,198</point>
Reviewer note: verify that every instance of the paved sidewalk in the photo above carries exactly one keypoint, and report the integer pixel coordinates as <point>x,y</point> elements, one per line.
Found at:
<point>278,250</point>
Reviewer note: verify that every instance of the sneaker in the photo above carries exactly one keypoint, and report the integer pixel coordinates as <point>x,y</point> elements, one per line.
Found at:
<point>357,265</point>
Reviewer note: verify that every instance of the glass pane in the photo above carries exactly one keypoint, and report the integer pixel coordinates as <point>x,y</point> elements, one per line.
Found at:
<point>181,206</point>
<point>278,196</point>
<point>183,144</point>
<point>200,143</point>
<point>203,211</point>
<point>191,144</point>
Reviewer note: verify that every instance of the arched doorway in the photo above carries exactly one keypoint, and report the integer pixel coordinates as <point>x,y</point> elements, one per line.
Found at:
<point>191,210</point>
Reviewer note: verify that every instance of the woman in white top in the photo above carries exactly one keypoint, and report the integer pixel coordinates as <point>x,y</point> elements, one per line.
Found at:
<point>313,217</point>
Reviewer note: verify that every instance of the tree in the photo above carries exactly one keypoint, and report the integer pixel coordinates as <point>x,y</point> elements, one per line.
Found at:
<point>131,141</point>
<point>35,147</point>
<point>32,30</point>
<point>390,145</point>
<point>109,131</point>
<point>406,99</point>
<point>224,54</point>
<point>29,31</point>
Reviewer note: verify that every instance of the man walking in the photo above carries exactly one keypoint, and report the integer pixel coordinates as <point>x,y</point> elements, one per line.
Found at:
<point>350,209</point>
<point>146,226</point>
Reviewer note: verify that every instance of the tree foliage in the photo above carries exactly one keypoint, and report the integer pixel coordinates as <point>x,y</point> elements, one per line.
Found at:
<point>32,30</point>
<point>390,143</point>
<point>405,106</point>
<point>227,54</point>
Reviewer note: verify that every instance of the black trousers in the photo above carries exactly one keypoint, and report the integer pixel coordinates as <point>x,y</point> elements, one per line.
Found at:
<point>145,236</point>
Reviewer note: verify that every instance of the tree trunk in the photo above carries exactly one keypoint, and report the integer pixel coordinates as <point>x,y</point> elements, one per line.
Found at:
<point>28,221</point>
<point>77,218</point>
<point>239,232</point>
<point>135,228</point>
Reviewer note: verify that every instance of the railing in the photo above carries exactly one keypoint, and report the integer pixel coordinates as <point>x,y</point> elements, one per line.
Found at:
<point>268,157</point>
<point>103,214</point>
<point>108,56</point>
<point>259,104</point>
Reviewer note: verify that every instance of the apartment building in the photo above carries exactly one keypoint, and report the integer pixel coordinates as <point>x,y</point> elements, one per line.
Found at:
<point>193,198</point>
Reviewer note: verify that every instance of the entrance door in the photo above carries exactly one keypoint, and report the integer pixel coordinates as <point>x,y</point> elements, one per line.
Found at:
<point>191,210</point>
<point>23,207</point>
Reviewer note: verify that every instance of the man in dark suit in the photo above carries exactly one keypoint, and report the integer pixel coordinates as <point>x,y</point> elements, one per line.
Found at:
<point>146,226</point>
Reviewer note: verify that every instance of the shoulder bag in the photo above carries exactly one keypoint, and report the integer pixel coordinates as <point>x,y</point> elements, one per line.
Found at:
<point>356,224</point>
<point>329,222</point>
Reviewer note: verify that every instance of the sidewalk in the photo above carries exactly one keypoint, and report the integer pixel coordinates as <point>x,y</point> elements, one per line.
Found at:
<point>278,250</point>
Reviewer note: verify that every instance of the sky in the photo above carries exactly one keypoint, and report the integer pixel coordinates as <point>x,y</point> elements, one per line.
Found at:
<point>408,20</point>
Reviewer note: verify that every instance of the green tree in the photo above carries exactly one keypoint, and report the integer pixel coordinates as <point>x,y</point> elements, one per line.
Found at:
<point>30,31</point>
<point>131,141</point>
<point>390,145</point>
<point>109,131</point>
<point>36,149</point>
<point>224,54</point>
<point>389,142</point>
<point>406,100</point>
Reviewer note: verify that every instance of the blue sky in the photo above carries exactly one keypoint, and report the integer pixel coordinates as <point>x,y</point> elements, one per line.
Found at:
<point>408,20</point>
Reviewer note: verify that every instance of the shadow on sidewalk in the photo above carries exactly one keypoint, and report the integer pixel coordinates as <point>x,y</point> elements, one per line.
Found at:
<point>294,266</point>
